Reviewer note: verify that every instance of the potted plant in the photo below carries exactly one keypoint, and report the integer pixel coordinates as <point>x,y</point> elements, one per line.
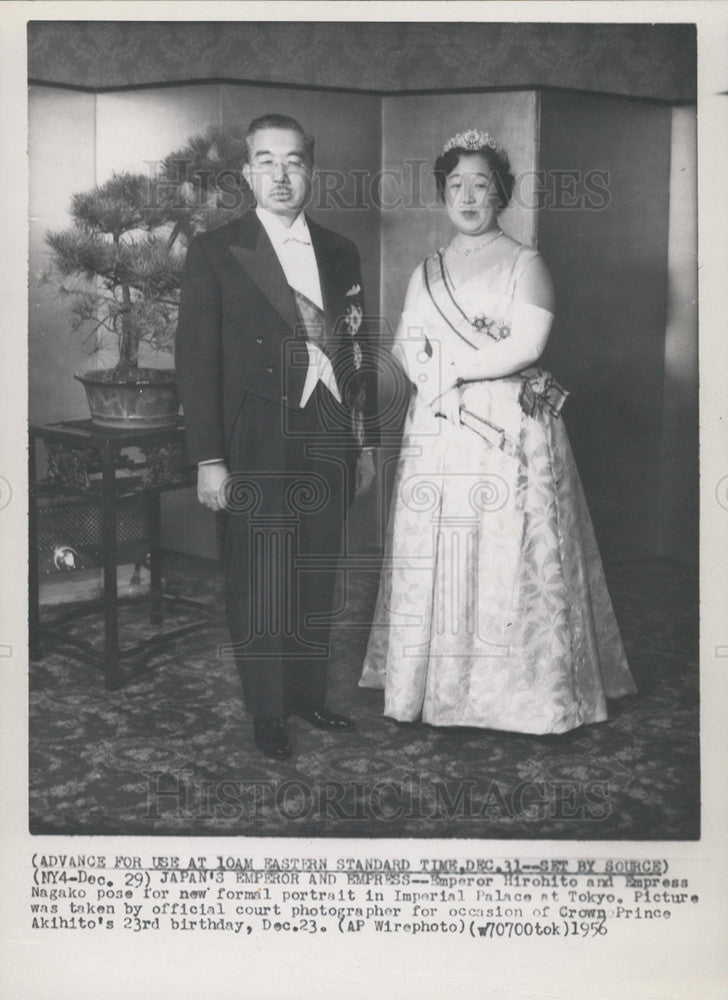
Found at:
<point>120,266</point>
<point>121,272</point>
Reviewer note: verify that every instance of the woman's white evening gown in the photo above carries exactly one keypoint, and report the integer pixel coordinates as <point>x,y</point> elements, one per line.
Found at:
<point>493,610</point>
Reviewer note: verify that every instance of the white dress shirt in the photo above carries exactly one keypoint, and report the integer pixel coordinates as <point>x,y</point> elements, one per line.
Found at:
<point>294,250</point>
<point>295,253</point>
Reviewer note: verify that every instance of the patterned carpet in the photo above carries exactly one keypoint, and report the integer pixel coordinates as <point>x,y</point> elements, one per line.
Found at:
<point>171,753</point>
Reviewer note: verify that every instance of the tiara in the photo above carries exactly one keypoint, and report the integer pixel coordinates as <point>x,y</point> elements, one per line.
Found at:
<point>473,139</point>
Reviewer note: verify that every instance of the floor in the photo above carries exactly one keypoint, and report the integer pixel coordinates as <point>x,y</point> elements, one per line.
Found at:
<point>171,752</point>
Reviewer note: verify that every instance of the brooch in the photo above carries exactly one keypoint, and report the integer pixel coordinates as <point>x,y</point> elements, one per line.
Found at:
<point>353,317</point>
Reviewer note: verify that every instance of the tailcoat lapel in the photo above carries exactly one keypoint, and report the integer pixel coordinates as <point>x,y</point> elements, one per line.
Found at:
<point>329,275</point>
<point>256,256</point>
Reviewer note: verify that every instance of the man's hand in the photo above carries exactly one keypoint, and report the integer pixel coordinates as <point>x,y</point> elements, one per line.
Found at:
<point>365,472</point>
<point>210,484</point>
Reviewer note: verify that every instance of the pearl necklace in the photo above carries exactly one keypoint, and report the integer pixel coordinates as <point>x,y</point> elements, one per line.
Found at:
<point>481,246</point>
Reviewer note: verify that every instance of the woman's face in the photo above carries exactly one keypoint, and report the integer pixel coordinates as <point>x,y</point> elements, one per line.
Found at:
<point>470,195</point>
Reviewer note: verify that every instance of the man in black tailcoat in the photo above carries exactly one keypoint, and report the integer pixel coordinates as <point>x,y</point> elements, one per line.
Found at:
<point>277,382</point>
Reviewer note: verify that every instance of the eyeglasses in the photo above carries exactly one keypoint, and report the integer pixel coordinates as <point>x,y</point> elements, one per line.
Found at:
<point>271,166</point>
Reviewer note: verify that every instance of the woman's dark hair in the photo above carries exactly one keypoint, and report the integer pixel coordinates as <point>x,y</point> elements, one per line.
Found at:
<point>499,165</point>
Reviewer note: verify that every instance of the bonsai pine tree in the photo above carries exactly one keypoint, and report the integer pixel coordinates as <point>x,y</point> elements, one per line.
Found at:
<point>122,241</point>
<point>128,239</point>
<point>201,184</point>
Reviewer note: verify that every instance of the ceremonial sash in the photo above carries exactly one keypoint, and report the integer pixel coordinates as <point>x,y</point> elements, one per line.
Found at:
<point>311,318</point>
<point>443,298</point>
<point>435,280</point>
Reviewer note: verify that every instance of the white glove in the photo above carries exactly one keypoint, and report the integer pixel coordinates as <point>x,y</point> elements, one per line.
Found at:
<point>447,406</point>
<point>426,362</point>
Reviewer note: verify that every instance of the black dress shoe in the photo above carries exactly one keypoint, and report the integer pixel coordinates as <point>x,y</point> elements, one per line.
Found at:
<point>322,718</point>
<point>271,738</point>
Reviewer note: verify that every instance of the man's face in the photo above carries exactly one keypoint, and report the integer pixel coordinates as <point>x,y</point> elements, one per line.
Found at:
<point>278,171</point>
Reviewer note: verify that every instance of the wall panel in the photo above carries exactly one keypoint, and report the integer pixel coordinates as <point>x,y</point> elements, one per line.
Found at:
<point>137,128</point>
<point>62,156</point>
<point>609,263</point>
<point>679,492</point>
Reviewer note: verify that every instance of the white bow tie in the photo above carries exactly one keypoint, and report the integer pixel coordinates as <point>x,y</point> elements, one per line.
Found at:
<point>298,239</point>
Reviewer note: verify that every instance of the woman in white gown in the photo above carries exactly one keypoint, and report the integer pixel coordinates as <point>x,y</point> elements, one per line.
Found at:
<point>493,609</point>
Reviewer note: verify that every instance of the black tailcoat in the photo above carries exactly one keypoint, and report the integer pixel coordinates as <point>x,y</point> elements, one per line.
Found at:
<point>241,364</point>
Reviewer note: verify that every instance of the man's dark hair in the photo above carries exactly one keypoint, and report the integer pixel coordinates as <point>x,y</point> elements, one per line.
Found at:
<point>280,122</point>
